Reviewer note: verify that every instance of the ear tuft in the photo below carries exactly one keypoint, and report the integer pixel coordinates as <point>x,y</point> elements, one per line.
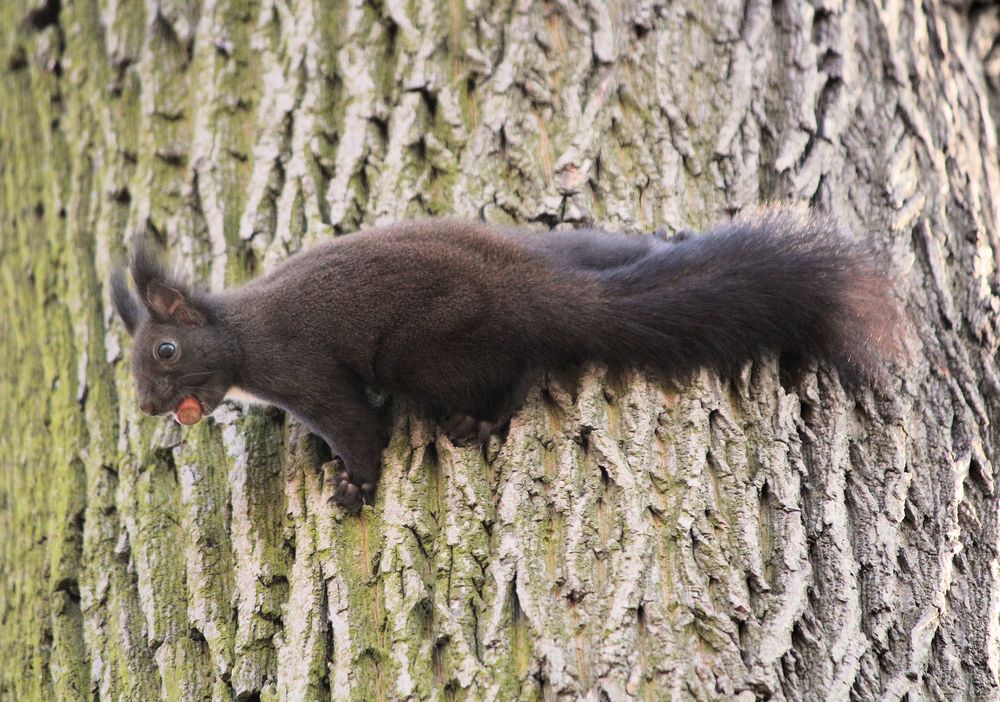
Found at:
<point>145,267</point>
<point>124,301</point>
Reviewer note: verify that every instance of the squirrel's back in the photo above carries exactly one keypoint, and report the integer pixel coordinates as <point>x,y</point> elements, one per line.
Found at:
<point>428,290</point>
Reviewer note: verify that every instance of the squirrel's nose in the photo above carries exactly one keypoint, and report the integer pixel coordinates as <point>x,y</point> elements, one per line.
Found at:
<point>148,406</point>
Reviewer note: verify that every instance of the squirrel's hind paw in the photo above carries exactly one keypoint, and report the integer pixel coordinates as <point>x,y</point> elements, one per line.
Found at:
<point>466,430</point>
<point>350,495</point>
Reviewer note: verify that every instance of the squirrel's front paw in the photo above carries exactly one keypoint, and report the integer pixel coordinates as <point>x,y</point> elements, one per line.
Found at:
<point>351,495</point>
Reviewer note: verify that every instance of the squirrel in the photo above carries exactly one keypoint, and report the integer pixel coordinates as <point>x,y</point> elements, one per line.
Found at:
<point>454,314</point>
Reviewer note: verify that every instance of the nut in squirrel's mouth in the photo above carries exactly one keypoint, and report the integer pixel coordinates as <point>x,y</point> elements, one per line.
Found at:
<point>189,411</point>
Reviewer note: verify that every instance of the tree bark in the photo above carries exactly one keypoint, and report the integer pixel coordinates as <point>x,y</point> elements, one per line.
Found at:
<point>769,535</point>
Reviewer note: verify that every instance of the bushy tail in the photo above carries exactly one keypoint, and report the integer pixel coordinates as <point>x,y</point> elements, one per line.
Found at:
<point>779,280</point>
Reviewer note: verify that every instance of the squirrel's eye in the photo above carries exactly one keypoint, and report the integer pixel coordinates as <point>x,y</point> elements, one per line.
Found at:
<point>166,350</point>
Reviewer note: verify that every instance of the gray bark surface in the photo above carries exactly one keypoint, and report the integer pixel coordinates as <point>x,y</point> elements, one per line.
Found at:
<point>770,535</point>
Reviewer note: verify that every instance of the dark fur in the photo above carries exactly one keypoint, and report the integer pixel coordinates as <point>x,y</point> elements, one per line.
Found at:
<point>454,314</point>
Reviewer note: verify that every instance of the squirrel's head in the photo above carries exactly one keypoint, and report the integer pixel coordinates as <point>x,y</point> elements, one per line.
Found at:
<point>179,347</point>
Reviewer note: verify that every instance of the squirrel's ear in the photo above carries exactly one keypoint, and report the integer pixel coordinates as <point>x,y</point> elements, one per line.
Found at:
<point>170,304</point>
<point>124,301</point>
<point>166,300</point>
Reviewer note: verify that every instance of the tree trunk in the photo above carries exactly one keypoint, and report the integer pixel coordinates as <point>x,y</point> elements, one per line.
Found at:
<point>770,535</point>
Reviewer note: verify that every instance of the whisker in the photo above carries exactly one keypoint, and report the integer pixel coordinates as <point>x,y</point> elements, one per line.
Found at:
<point>194,375</point>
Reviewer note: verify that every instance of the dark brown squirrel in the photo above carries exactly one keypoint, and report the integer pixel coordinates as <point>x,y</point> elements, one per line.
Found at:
<point>455,314</point>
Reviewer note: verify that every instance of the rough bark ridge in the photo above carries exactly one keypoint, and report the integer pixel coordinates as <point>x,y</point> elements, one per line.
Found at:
<point>769,535</point>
